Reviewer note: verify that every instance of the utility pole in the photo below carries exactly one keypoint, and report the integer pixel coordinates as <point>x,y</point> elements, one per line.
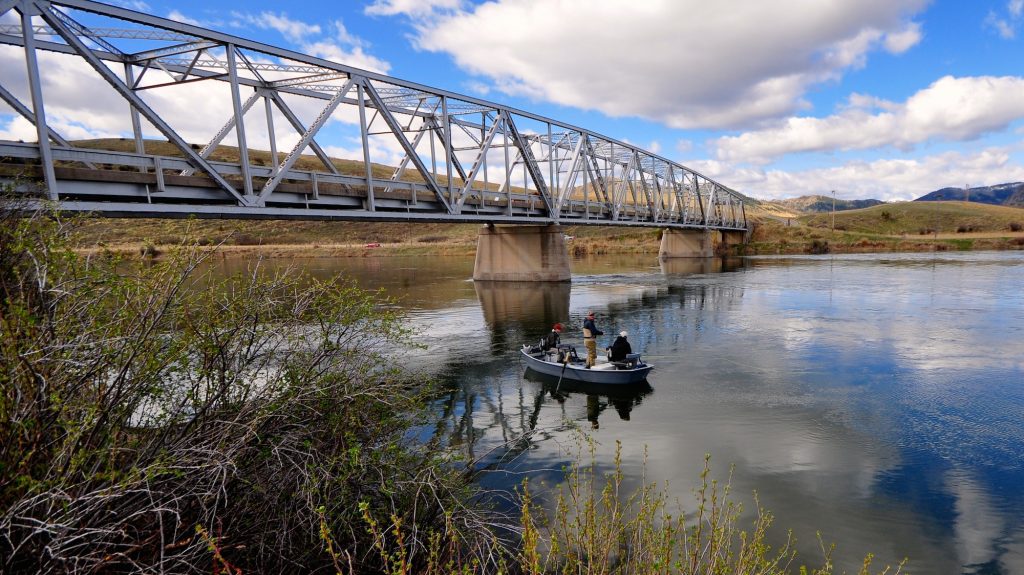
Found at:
<point>833,212</point>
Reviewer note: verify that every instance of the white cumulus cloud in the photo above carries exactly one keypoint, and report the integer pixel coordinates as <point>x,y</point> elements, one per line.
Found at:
<point>177,16</point>
<point>900,42</point>
<point>687,64</point>
<point>887,179</point>
<point>1006,26</point>
<point>411,7</point>
<point>950,109</point>
<point>294,30</point>
<point>336,43</point>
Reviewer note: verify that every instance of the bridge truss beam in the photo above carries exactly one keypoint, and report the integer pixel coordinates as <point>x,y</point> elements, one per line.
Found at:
<point>522,168</point>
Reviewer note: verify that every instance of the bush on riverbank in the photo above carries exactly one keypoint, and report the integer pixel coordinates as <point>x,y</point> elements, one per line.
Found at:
<point>155,418</point>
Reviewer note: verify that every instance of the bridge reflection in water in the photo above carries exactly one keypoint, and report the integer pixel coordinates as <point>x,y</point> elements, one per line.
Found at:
<point>687,266</point>
<point>526,304</point>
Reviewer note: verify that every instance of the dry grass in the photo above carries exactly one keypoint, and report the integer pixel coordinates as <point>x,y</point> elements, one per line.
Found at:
<point>309,235</point>
<point>903,227</point>
<point>307,161</point>
<point>911,218</point>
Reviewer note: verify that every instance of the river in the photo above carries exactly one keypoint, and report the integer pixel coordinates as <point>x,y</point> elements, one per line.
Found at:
<point>875,398</point>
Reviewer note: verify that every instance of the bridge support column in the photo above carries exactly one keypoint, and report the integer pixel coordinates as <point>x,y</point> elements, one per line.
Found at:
<point>686,244</point>
<point>734,238</point>
<point>521,254</point>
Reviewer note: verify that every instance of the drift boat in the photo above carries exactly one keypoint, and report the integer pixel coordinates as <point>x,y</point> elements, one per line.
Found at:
<point>632,370</point>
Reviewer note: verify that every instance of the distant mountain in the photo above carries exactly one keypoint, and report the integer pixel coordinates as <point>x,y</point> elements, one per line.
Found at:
<point>998,195</point>
<point>816,204</point>
<point>1016,200</point>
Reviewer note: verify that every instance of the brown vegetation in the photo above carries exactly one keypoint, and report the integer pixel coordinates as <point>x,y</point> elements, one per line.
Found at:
<point>154,418</point>
<point>901,227</point>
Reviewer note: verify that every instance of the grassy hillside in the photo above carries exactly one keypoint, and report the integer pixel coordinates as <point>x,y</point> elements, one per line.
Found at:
<point>806,204</point>
<point>922,218</point>
<point>908,226</point>
<point>224,153</point>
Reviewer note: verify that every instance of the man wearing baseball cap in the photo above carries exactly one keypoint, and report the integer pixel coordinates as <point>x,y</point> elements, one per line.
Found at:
<point>590,333</point>
<point>552,339</point>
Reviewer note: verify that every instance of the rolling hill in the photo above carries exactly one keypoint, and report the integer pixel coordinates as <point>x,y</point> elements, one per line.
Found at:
<point>999,195</point>
<point>817,204</point>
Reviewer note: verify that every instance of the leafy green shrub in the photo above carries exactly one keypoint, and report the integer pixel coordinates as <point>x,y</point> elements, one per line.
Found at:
<point>156,418</point>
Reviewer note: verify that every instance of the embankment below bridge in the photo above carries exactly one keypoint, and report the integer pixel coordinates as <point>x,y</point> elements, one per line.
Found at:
<point>904,227</point>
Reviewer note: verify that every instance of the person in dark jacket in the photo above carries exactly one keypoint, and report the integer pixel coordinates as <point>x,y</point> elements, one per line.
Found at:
<point>620,348</point>
<point>553,338</point>
<point>590,333</point>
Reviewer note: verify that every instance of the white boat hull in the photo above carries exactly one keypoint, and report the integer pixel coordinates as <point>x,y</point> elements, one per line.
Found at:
<point>602,373</point>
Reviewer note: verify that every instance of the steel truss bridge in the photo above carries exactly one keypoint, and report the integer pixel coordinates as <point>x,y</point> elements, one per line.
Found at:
<point>462,159</point>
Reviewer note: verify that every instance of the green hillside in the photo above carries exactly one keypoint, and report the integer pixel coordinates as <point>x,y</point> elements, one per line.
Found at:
<point>922,218</point>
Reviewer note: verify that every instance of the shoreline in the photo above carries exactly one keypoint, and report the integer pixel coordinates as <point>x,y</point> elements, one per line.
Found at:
<point>847,243</point>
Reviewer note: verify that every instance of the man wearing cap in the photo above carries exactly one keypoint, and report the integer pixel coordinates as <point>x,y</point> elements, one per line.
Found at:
<point>620,348</point>
<point>590,333</point>
<point>552,339</point>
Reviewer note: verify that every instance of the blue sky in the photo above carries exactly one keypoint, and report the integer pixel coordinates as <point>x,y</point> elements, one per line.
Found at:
<point>885,99</point>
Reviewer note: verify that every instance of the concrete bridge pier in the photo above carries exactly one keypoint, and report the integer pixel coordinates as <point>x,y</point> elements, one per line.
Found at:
<point>521,254</point>
<point>734,238</point>
<point>686,244</point>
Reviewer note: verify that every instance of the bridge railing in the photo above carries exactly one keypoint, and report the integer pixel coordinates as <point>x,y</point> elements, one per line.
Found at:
<point>423,153</point>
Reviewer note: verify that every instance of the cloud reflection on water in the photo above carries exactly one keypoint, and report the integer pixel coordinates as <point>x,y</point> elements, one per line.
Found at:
<point>877,398</point>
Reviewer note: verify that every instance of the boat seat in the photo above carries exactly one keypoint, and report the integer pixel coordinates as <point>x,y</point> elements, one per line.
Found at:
<point>631,362</point>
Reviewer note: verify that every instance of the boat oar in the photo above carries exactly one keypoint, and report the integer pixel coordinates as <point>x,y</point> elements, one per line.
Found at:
<point>565,364</point>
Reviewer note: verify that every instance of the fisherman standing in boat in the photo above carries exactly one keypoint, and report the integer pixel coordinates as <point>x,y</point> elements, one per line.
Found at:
<point>590,333</point>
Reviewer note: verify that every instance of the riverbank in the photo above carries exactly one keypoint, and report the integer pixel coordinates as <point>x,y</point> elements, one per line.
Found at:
<point>802,240</point>
<point>904,227</point>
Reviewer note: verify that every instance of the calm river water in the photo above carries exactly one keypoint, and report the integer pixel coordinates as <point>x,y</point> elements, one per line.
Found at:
<point>878,399</point>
